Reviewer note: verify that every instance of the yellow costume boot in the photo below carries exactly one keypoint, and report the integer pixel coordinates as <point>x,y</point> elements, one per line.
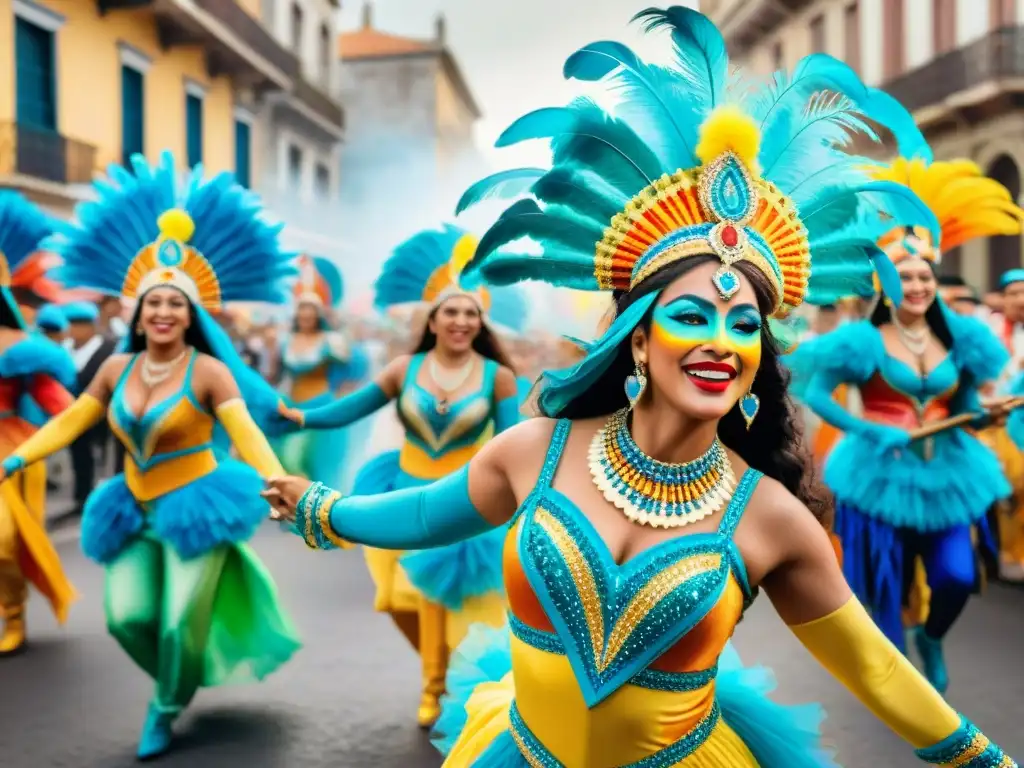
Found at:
<point>434,658</point>
<point>13,638</point>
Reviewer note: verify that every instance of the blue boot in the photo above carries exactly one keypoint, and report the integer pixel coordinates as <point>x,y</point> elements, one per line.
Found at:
<point>156,733</point>
<point>934,662</point>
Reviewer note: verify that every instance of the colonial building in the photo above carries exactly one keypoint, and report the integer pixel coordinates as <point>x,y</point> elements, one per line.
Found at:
<point>299,130</point>
<point>409,148</point>
<point>87,83</point>
<point>958,65</point>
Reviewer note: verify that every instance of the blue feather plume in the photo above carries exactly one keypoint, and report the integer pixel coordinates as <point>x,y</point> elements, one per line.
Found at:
<point>23,227</point>
<point>405,274</point>
<point>230,232</point>
<point>503,185</point>
<point>332,276</point>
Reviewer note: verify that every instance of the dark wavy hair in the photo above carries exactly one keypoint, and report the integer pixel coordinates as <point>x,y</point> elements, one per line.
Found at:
<point>774,443</point>
<point>8,314</point>
<point>486,342</point>
<point>194,337</point>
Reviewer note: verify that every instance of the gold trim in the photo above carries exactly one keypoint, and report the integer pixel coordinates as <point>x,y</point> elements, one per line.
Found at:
<point>323,517</point>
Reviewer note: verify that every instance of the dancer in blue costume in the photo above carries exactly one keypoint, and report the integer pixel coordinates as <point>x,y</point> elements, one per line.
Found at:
<point>186,598</point>
<point>35,376</point>
<point>915,362</point>
<point>453,394</point>
<point>318,363</point>
<point>673,485</point>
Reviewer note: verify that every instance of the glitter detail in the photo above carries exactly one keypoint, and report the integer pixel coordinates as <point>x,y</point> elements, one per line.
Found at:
<point>967,747</point>
<point>536,754</point>
<point>651,492</point>
<point>651,679</point>
<point>312,518</point>
<point>323,518</point>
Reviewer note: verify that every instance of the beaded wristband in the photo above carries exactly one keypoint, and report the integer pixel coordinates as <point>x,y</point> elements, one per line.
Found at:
<point>304,516</point>
<point>323,519</point>
<point>967,747</point>
<point>13,464</point>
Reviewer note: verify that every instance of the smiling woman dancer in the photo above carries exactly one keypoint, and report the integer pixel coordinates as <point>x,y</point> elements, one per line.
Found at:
<point>671,488</point>
<point>915,362</point>
<point>454,393</point>
<point>35,375</point>
<point>186,599</point>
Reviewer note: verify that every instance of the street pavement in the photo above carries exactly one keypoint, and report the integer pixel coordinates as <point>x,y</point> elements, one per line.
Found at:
<point>348,699</point>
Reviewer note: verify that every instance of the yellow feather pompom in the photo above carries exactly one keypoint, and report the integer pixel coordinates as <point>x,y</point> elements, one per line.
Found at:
<point>461,255</point>
<point>729,129</point>
<point>176,224</point>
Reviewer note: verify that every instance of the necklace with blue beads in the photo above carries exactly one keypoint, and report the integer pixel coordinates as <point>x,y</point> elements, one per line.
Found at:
<point>652,492</point>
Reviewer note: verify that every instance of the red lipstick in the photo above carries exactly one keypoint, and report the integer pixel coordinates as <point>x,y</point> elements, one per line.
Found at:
<point>710,377</point>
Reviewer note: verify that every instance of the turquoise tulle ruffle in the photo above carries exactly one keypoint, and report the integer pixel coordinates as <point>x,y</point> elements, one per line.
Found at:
<point>956,487</point>
<point>778,736</point>
<point>223,507</point>
<point>446,575</point>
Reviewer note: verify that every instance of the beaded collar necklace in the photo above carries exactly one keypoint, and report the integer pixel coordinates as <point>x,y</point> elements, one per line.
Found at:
<point>651,492</point>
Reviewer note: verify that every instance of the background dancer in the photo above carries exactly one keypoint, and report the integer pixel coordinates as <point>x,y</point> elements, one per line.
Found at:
<point>186,598</point>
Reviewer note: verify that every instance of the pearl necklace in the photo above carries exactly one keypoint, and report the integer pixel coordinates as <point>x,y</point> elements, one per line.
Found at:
<point>456,379</point>
<point>916,340</point>
<point>156,373</point>
<point>652,492</point>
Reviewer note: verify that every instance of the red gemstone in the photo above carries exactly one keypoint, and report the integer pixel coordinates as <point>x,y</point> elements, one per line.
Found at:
<point>730,236</point>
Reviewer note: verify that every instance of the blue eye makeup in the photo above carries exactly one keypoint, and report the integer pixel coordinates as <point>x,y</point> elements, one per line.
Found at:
<point>689,322</point>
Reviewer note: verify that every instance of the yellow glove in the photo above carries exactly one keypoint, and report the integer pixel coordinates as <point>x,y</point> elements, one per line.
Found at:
<point>59,432</point>
<point>252,445</point>
<point>849,645</point>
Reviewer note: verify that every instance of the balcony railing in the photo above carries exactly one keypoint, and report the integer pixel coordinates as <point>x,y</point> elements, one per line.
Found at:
<point>44,154</point>
<point>998,55</point>
<point>251,33</point>
<point>319,102</point>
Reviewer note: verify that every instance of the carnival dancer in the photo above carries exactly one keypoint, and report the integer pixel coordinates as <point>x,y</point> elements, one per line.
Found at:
<point>35,375</point>
<point>677,418</point>
<point>915,361</point>
<point>316,362</point>
<point>186,598</point>
<point>453,394</point>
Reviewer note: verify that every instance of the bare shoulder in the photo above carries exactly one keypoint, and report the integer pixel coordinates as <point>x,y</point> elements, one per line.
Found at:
<point>505,384</point>
<point>209,366</point>
<point>774,507</point>
<point>114,366</point>
<point>396,368</point>
<point>526,437</point>
<point>777,528</point>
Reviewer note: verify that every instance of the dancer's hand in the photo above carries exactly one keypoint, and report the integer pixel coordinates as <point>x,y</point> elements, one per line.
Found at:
<point>291,414</point>
<point>284,493</point>
<point>998,408</point>
<point>888,438</point>
<point>284,421</point>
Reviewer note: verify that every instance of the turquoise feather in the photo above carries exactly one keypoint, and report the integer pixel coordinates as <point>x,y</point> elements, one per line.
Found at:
<point>407,270</point>
<point>332,276</point>
<point>585,193</point>
<point>503,185</point>
<point>23,226</point>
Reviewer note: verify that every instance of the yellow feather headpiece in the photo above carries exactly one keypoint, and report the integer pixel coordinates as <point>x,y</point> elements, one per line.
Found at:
<point>169,261</point>
<point>723,207</point>
<point>443,283</point>
<point>966,203</point>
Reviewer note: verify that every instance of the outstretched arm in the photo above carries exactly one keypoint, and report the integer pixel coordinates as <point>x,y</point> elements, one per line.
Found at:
<point>233,414</point>
<point>818,397</point>
<point>811,595</point>
<point>360,403</point>
<point>472,500</point>
<point>74,419</point>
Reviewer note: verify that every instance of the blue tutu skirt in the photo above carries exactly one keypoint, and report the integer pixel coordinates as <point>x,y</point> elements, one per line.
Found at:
<point>954,487</point>
<point>778,736</point>
<point>446,575</point>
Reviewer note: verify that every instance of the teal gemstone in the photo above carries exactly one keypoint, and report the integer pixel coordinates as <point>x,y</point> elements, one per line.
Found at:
<point>632,388</point>
<point>749,406</point>
<point>727,283</point>
<point>170,253</point>
<point>730,195</point>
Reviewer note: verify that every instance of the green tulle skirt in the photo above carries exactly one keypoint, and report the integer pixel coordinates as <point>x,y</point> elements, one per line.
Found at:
<point>207,621</point>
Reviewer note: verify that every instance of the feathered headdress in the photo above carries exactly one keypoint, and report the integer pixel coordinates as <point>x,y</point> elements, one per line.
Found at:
<point>427,268</point>
<point>204,237</point>
<point>695,162</point>
<point>23,263</point>
<point>320,282</point>
<point>965,202</point>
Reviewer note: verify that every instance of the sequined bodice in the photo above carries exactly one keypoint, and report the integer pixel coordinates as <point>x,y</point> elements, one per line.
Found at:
<point>174,427</point>
<point>658,621</point>
<point>899,396</point>
<point>466,422</point>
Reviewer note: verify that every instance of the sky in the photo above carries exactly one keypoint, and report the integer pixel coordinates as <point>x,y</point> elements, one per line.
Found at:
<point>512,51</point>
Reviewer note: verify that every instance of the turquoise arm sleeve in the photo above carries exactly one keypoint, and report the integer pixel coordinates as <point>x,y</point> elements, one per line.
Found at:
<point>346,410</point>
<point>818,398</point>
<point>507,414</point>
<point>414,518</point>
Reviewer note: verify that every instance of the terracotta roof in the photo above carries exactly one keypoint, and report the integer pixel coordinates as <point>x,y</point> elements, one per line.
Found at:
<point>369,43</point>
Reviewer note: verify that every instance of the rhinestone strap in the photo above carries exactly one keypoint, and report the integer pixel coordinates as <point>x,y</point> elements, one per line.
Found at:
<point>967,747</point>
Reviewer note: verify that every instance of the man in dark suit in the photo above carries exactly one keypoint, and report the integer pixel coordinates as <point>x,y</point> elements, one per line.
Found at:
<point>89,349</point>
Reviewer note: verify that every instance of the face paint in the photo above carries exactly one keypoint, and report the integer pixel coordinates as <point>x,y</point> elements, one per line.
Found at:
<point>689,322</point>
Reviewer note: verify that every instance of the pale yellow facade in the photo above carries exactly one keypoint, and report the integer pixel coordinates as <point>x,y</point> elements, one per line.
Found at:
<point>88,61</point>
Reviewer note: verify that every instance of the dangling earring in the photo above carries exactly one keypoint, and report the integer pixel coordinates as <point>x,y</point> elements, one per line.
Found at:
<point>635,384</point>
<point>138,330</point>
<point>750,404</point>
